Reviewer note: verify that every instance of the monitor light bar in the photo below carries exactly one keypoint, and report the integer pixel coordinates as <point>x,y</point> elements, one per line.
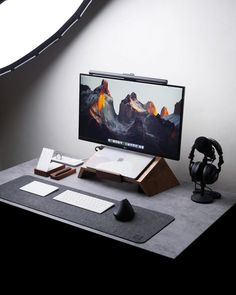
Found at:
<point>130,77</point>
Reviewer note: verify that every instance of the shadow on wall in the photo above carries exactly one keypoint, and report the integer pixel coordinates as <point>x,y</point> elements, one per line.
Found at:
<point>18,84</point>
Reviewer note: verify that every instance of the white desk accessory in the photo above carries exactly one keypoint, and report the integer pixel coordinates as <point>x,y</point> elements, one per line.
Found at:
<point>59,158</point>
<point>39,188</point>
<point>45,160</point>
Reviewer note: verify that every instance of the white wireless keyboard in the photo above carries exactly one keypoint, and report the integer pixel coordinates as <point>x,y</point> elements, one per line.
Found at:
<point>84,201</point>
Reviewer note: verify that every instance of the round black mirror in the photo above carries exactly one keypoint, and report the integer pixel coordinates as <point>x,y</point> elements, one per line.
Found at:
<point>28,27</point>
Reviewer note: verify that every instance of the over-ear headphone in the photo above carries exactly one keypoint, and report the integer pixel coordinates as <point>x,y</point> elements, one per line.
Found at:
<point>205,172</point>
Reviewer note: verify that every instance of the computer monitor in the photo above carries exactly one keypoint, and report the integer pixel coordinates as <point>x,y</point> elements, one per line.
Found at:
<point>141,116</point>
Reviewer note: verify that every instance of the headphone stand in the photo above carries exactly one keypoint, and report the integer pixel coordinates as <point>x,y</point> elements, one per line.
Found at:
<point>204,196</point>
<point>205,172</point>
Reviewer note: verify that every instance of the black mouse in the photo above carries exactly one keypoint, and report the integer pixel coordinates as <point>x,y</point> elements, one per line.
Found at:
<point>124,211</point>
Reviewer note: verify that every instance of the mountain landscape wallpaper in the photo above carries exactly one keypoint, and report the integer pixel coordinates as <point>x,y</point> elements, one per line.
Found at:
<point>132,122</point>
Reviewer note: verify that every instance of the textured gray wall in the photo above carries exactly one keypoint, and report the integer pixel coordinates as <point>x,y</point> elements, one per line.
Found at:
<point>189,42</point>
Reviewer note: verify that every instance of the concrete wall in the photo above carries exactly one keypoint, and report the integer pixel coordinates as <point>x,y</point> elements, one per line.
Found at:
<point>188,42</point>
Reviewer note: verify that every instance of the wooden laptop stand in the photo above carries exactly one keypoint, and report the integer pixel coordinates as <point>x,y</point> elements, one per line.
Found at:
<point>157,177</point>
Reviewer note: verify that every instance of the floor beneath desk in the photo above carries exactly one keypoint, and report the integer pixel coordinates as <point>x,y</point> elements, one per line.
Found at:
<point>27,236</point>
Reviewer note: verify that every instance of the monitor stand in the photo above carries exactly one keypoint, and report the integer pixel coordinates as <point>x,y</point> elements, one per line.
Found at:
<point>154,178</point>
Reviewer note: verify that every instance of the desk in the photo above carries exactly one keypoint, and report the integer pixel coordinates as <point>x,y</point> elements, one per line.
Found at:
<point>191,219</point>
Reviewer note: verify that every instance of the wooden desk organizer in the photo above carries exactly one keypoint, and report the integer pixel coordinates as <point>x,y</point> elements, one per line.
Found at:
<point>47,173</point>
<point>156,178</point>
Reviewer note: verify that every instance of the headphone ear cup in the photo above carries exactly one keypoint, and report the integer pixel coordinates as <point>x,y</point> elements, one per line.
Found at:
<point>210,174</point>
<point>190,168</point>
<point>196,171</point>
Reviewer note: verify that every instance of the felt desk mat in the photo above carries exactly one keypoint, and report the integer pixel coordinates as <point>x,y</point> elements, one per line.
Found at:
<point>145,224</point>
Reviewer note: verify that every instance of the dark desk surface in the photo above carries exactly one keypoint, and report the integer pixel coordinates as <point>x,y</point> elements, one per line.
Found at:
<point>191,219</point>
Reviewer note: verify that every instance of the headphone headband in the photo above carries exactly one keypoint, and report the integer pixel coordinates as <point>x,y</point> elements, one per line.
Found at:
<point>217,147</point>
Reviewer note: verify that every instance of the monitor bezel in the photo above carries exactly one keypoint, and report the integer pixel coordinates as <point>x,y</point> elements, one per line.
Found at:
<point>130,148</point>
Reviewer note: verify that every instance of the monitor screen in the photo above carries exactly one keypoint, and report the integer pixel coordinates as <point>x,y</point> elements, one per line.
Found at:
<point>144,117</point>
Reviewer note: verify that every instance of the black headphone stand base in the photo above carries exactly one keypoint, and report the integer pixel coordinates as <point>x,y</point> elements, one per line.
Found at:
<point>206,198</point>
<point>214,194</point>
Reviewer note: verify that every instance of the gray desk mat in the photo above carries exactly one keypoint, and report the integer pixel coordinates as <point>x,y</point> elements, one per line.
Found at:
<point>142,227</point>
